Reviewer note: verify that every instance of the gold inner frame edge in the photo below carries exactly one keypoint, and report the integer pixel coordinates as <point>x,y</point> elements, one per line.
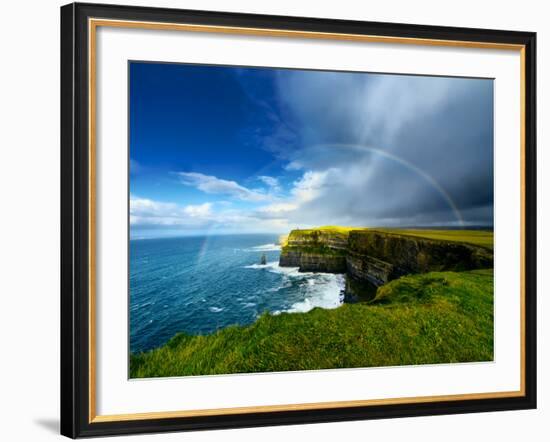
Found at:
<point>93,24</point>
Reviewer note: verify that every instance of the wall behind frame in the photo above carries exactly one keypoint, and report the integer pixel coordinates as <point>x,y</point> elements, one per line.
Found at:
<point>29,219</point>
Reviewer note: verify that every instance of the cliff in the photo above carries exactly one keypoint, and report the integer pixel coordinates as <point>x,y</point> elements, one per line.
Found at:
<point>315,251</point>
<point>371,258</point>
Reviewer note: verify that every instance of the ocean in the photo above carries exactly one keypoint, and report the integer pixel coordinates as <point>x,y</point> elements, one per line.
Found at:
<point>198,285</point>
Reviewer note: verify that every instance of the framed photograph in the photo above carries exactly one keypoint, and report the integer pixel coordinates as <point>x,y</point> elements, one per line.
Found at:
<point>275,220</point>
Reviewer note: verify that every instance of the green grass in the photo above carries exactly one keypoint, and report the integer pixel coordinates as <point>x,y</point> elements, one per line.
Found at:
<point>483,238</point>
<point>337,229</point>
<point>333,231</point>
<point>439,317</point>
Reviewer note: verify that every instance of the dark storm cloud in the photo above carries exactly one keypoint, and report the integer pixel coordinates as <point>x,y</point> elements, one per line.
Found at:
<point>389,150</point>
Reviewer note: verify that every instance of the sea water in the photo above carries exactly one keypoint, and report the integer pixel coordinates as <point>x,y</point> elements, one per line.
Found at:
<point>198,285</point>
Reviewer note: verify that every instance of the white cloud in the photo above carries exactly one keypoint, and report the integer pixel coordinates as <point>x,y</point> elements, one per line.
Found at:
<point>214,185</point>
<point>271,182</point>
<point>144,206</point>
<point>145,211</point>
<point>200,210</point>
<point>309,186</point>
<point>278,208</point>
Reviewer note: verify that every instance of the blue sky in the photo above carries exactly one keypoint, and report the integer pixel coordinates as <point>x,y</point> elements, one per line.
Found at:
<point>242,150</point>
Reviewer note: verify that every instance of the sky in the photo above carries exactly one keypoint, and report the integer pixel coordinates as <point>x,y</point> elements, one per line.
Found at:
<point>224,150</point>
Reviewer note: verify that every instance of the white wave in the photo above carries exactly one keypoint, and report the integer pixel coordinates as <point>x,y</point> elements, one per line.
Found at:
<point>265,248</point>
<point>324,292</point>
<point>268,266</point>
<point>321,289</point>
<point>249,304</point>
<point>215,309</point>
<point>286,283</point>
<point>274,267</point>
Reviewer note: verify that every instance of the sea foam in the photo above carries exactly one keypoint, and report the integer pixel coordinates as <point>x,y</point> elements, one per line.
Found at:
<point>322,290</point>
<point>265,248</point>
<point>326,294</point>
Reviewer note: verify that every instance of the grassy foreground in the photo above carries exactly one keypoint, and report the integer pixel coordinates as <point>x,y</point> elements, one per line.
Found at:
<point>438,317</point>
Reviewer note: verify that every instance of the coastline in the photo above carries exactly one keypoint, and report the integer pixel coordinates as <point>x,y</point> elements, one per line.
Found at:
<point>301,321</point>
<point>409,324</point>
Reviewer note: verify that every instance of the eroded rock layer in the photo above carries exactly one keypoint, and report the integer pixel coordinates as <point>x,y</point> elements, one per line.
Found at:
<point>370,258</point>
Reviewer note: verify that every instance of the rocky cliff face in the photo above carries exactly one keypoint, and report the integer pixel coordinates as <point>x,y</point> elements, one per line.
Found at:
<point>385,256</point>
<point>315,251</point>
<point>331,239</point>
<point>370,258</point>
<point>313,261</point>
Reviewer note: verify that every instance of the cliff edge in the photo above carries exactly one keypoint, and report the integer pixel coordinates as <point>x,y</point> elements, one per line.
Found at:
<point>371,257</point>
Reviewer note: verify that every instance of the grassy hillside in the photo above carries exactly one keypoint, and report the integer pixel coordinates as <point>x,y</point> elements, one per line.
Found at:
<point>438,317</point>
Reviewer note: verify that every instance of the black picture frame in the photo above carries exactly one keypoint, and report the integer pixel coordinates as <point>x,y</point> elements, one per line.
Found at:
<point>75,221</point>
